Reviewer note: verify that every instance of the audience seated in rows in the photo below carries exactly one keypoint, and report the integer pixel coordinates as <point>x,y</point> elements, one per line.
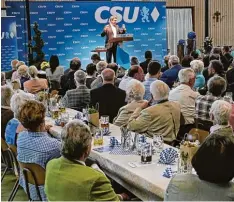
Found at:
<point>154,72</point>
<point>83,183</point>
<point>14,127</point>
<point>214,165</point>
<point>34,85</point>
<point>148,58</point>
<point>135,92</point>
<point>35,145</point>
<point>171,75</point>
<point>98,81</point>
<point>216,87</point>
<point>109,97</point>
<point>78,98</point>
<point>15,74</point>
<point>198,66</point>
<point>91,74</point>
<point>162,118</point>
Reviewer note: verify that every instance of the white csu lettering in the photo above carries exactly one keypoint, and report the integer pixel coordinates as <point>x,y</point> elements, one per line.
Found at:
<point>120,12</point>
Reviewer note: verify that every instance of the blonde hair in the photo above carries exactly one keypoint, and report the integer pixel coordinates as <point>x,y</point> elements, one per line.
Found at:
<point>32,70</point>
<point>23,70</point>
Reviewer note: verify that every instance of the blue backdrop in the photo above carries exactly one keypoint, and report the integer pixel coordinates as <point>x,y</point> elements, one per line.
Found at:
<point>9,43</point>
<point>72,29</point>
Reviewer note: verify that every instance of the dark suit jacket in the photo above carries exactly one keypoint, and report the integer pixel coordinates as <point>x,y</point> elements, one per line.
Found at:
<point>171,75</point>
<point>144,65</point>
<point>67,83</point>
<point>110,35</point>
<point>110,100</point>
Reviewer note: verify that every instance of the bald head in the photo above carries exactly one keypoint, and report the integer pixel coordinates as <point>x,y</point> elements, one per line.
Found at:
<point>108,76</point>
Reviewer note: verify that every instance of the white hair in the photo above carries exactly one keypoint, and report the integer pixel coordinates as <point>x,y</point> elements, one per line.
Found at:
<point>221,111</point>
<point>185,75</point>
<point>197,66</point>
<point>159,90</point>
<point>174,59</point>
<point>18,99</point>
<point>23,70</point>
<point>32,70</point>
<point>101,66</point>
<point>135,90</point>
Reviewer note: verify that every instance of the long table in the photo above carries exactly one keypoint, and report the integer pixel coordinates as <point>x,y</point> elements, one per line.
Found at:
<point>146,182</point>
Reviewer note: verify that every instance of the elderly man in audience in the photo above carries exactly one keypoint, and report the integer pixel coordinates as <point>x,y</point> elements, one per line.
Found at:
<point>135,92</point>
<point>214,164</point>
<point>100,66</point>
<point>35,84</point>
<point>35,145</point>
<point>67,80</point>
<point>15,74</point>
<point>109,97</point>
<point>14,127</point>
<point>154,72</point>
<point>171,75</point>
<point>71,172</point>
<point>230,79</point>
<point>162,118</point>
<point>186,98</point>
<point>198,66</point>
<point>13,65</point>
<point>216,87</point>
<point>220,112</point>
<point>6,112</point>
<point>78,98</point>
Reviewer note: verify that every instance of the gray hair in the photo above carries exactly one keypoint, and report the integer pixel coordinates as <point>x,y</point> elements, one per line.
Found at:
<point>159,90</point>
<point>135,90</point>
<point>33,72</point>
<point>23,70</point>
<point>174,60</point>
<point>221,111</point>
<point>101,66</point>
<point>17,101</point>
<point>6,94</point>
<point>197,66</point>
<point>216,85</point>
<point>185,75</point>
<point>76,139</point>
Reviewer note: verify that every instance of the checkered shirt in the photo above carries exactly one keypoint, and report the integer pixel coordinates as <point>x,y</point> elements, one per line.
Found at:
<point>77,98</point>
<point>203,105</point>
<point>39,148</point>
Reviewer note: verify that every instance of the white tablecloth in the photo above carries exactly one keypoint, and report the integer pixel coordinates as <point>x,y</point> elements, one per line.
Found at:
<point>146,182</point>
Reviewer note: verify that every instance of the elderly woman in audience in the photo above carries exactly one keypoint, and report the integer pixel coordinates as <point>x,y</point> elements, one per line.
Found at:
<point>35,145</point>
<point>198,66</point>
<point>35,84</point>
<point>162,118</point>
<point>6,112</point>
<point>23,75</point>
<point>100,66</point>
<point>71,171</point>
<point>14,127</point>
<point>216,86</point>
<point>135,92</point>
<point>220,114</point>
<point>15,74</point>
<point>214,164</point>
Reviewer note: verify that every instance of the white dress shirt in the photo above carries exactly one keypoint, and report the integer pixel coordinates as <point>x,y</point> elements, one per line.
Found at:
<point>114,30</point>
<point>186,97</point>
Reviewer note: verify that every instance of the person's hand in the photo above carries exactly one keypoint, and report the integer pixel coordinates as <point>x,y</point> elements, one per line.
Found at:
<point>144,104</point>
<point>125,197</point>
<point>47,127</point>
<point>105,28</point>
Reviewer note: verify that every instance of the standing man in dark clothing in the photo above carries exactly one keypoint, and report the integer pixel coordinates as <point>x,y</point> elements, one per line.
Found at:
<point>111,31</point>
<point>148,58</point>
<point>226,58</point>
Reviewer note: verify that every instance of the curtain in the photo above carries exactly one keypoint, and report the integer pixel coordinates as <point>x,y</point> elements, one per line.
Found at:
<point>179,23</point>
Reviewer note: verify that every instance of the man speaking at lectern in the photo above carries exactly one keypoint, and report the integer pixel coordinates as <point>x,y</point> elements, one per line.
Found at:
<point>111,31</point>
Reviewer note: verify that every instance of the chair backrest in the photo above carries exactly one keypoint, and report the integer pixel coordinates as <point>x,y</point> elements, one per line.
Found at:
<point>14,161</point>
<point>33,174</point>
<point>13,148</point>
<point>202,134</point>
<point>4,145</point>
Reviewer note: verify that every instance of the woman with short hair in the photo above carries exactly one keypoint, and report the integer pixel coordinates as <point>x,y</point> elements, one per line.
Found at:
<point>198,66</point>
<point>34,85</point>
<point>214,164</point>
<point>72,173</point>
<point>23,75</point>
<point>35,145</point>
<point>135,93</point>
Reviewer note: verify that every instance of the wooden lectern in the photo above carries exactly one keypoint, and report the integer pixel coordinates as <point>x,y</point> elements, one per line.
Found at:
<point>121,38</point>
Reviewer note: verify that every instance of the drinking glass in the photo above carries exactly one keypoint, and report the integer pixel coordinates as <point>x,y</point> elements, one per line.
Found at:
<point>64,119</point>
<point>146,153</point>
<point>105,124</point>
<point>158,143</point>
<point>184,165</point>
<point>62,107</point>
<point>98,138</point>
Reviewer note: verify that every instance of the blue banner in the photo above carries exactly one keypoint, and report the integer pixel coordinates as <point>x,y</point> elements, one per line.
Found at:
<point>9,42</point>
<point>72,29</point>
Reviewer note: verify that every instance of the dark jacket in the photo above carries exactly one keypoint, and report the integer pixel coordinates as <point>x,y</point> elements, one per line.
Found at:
<point>144,65</point>
<point>226,60</point>
<point>171,75</point>
<point>6,115</point>
<point>67,82</point>
<point>110,99</point>
<point>230,81</point>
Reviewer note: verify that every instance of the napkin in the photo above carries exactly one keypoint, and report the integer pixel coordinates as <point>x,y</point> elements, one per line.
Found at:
<point>168,156</point>
<point>168,173</point>
<point>114,142</point>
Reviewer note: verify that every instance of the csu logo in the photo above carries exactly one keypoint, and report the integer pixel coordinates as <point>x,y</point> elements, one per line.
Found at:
<point>122,13</point>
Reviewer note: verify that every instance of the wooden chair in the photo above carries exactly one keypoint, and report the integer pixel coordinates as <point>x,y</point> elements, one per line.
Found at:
<point>202,134</point>
<point>33,174</point>
<point>5,157</point>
